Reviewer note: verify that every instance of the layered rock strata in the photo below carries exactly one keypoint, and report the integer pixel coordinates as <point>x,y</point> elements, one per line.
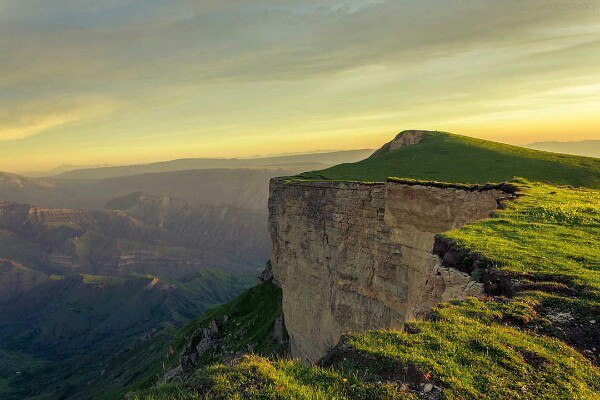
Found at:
<point>353,257</point>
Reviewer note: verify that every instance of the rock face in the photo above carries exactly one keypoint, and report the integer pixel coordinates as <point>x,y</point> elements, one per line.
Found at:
<point>202,340</point>
<point>353,257</point>
<point>406,138</point>
<point>403,139</point>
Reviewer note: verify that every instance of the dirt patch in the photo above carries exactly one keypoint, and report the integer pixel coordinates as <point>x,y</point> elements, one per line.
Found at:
<point>580,330</point>
<point>409,376</point>
<point>535,360</point>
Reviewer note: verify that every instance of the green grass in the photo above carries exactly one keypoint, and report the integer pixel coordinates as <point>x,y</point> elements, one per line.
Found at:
<point>459,159</point>
<point>250,318</point>
<point>468,350</point>
<point>498,348</point>
<point>550,233</point>
<point>255,377</point>
<point>529,343</point>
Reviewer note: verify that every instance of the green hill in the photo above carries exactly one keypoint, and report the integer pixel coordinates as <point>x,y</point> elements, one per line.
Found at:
<point>529,344</point>
<point>534,337</point>
<point>445,157</point>
<point>82,291</point>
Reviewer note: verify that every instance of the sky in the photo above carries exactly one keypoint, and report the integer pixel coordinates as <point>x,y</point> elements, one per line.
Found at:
<point>90,82</point>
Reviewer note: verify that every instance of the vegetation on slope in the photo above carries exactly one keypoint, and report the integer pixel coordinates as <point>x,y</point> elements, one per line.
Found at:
<point>134,368</point>
<point>546,244</point>
<point>535,337</point>
<point>459,159</point>
<point>245,322</point>
<point>504,347</point>
<point>100,334</point>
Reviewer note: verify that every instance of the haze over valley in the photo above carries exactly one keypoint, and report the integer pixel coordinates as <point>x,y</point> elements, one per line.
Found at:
<point>284,200</point>
<point>92,260</point>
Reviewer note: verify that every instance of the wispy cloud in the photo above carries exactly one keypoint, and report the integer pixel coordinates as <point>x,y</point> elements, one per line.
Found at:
<point>189,68</point>
<point>31,118</point>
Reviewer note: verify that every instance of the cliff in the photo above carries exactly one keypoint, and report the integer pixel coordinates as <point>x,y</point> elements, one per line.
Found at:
<point>353,257</point>
<point>356,261</point>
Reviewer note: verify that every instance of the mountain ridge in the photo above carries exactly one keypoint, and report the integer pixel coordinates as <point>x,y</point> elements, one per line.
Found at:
<point>514,341</point>
<point>294,160</point>
<point>588,148</point>
<point>441,156</point>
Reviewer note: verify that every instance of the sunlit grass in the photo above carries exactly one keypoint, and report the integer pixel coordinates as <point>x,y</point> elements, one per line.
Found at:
<point>546,242</point>
<point>459,159</point>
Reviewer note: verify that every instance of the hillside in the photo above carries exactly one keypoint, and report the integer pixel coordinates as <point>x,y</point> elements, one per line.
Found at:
<point>440,156</point>
<point>532,332</point>
<point>231,329</point>
<point>78,288</point>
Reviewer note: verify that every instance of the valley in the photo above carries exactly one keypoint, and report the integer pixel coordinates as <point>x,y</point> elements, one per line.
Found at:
<point>97,268</point>
<point>382,273</point>
<point>78,285</point>
<point>413,287</point>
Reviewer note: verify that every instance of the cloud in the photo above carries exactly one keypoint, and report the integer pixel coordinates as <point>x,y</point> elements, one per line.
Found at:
<point>31,118</point>
<point>196,41</point>
<point>152,69</point>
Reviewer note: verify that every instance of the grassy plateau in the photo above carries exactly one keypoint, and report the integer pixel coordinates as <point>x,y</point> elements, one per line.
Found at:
<point>537,337</point>
<point>460,159</point>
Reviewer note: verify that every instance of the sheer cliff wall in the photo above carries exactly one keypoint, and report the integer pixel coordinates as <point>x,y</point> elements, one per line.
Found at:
<point>354,257</point>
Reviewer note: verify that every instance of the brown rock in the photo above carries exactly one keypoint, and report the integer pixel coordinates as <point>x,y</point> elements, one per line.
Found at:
<point>353,257</point>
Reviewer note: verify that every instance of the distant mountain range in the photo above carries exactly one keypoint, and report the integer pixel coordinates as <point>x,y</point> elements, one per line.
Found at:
<point>238,182</point>
<point>96,261</point>
<point>304,161</point>
<point>61,169</point>
<point>77,285</point>
<point>589,148</point>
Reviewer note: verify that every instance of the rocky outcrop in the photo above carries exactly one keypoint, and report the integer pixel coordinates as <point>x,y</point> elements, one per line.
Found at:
<point>251,323</point>
<point>353,257</point>
<point>203,339</point>
<point>406,138</point>
<point>267,275</point>
<point>403,139</point>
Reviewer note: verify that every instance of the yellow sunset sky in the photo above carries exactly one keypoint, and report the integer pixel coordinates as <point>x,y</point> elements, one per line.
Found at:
<point>120,82</point>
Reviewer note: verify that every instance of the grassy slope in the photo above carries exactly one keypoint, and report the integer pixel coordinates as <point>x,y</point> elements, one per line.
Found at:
<point>460,159</point>
<point>503,347</point>
<point>250,318</point>
<point>249,321</point>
